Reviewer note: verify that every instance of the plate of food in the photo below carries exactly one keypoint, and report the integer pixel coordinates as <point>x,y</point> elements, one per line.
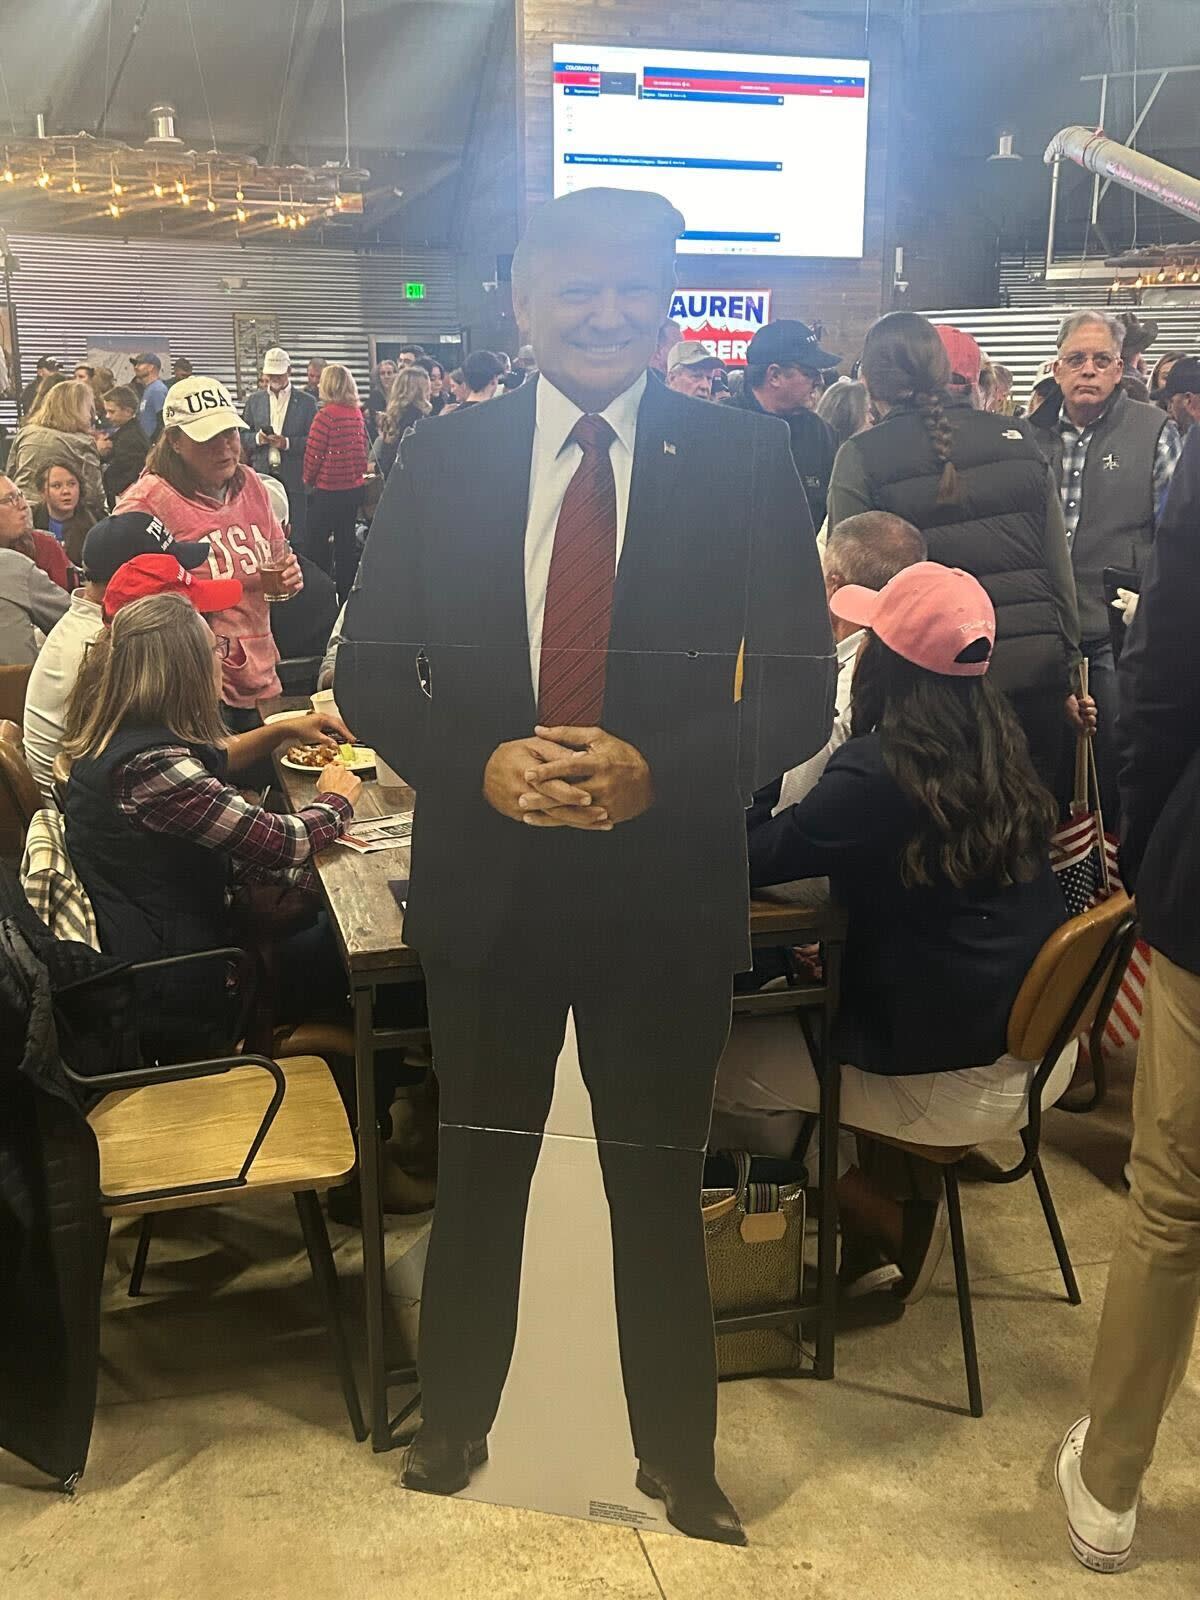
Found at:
<point>315,757</point>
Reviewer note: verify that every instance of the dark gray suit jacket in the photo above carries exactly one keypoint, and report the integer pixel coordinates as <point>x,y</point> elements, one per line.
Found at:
<point>719,565</point>
<point>302,408</point>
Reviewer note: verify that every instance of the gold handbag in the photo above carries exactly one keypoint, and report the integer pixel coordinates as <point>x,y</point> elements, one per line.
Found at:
<point>754,1211</point>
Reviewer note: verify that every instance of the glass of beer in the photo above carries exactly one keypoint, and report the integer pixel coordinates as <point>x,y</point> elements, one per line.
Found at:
<point>272,566</point>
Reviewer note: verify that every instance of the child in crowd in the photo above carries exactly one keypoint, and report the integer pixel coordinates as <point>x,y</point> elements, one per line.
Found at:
<point>60,512</point>
<point>124,450</point>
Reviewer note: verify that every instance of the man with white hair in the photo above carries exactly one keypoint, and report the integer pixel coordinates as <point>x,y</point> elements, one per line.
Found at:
<point>278,419</point>
<point>1113,459</point>
<point>691,369</point>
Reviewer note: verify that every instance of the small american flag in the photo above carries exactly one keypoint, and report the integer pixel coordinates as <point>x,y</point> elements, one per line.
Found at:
<point>1085,862</point>
<point>1078,858</point>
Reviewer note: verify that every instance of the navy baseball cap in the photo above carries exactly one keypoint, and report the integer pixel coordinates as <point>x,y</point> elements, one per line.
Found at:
<point>126,534</point>
<point>789,344</point>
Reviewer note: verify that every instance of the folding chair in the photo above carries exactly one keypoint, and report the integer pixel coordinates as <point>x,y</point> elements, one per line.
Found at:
<point>1058,1001</point>
<point>212,1132</point>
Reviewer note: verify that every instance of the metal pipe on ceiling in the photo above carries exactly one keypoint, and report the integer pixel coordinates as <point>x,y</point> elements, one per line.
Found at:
<point>1141,174</point>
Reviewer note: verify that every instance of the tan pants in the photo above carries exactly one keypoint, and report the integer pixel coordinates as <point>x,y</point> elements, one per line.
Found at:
<point>1153,1291</point>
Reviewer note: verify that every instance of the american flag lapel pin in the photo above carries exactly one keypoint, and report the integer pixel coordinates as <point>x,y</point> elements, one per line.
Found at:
<point>668,448</point>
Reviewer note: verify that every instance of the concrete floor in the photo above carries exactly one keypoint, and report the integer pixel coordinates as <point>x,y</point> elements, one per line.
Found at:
<point>222,1464</point>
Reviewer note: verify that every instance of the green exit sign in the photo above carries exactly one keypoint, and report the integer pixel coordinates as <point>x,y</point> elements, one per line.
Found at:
<point>414,291</point>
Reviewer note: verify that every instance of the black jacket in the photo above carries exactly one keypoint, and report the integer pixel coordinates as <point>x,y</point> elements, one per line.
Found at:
<point>130,447</point>
<point>1006,527</point>
<point>51,1233</point>
<point>718,565</point>
<point>1158,730</point>
<point>298,419</point>
<point>930,973</point>
<point>814,446</point>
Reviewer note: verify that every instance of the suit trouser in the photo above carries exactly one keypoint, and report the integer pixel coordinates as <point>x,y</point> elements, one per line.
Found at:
<point>1150,1306</point>
<point>649,1041</point>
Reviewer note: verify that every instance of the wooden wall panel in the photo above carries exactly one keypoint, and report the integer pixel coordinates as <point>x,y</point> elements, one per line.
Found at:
<point>846,296</point>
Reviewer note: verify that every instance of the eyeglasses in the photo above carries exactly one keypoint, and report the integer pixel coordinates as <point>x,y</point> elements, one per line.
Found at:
<point>222,646</point>
<point>1078,359</point>
<point>16,498</point>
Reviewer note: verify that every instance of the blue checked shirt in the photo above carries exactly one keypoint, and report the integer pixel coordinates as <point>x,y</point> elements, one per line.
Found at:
<point>1075,449</point>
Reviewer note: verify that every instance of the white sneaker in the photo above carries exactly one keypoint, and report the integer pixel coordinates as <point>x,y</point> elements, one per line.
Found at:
<point>1101,1539</point>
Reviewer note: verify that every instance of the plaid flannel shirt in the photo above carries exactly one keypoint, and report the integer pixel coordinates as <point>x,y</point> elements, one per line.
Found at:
<point>167,790</point>
<point>1075,449</point>
<point>51,884</point>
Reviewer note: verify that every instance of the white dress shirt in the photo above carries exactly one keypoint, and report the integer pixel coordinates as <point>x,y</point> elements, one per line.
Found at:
<point>802,780</point>
<point>279,405</point>
<point>555,460</point>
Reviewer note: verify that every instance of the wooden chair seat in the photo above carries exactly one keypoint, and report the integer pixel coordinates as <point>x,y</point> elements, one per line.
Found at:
<point>1071,982</point>
<point>313,1039</point>
<point>13,683</point>
<point>19,799</point>
<point>198,1130</point>
<point>938,1155</point>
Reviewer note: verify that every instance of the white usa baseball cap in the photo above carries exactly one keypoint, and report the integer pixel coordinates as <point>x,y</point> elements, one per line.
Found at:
<point>201,407</point>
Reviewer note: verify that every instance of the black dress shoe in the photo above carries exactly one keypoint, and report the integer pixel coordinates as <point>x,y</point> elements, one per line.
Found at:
<point>696,1507</point>
<point>440,1464</point>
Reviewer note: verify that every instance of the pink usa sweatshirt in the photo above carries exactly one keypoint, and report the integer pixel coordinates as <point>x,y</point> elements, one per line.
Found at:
<point>238,530</point>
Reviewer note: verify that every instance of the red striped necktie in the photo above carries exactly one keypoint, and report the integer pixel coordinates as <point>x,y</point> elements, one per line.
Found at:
<point>579,593</point>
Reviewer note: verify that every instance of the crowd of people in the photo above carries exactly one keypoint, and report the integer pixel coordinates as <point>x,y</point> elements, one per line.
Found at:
<point>982,563</point>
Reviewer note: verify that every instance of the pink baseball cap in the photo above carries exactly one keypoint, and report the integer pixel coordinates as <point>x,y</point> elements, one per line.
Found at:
<point>927,613</point>
<point>966,358</point>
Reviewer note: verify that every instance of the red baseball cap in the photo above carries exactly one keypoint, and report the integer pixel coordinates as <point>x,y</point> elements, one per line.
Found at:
<point>147,575</point>
<point>966,358</point>
<point>929,614</point>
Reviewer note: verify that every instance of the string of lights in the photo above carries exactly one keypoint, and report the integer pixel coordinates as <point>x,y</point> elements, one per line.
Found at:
<point>81,179</point>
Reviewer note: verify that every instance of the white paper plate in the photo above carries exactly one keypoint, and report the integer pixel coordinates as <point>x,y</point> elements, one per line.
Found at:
<point>350,766</point>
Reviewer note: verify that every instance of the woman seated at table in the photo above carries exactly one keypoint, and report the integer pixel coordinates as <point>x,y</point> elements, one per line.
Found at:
<point>158,835</point>
<point>933,830</point>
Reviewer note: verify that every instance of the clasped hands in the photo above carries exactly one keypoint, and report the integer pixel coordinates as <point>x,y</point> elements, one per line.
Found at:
<point>568,778</point>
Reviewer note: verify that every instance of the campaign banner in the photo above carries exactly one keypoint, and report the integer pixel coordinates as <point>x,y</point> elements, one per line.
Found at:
<point>723,320</point>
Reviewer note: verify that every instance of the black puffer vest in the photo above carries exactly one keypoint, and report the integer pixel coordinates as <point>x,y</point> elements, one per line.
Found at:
<point>153,896</point>
<point>995,529</point>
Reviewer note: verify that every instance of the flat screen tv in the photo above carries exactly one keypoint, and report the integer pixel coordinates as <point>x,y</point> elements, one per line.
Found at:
<point>763,155</point>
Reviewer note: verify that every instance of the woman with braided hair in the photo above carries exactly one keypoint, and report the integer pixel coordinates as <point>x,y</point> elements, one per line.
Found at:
<point>978,488</point>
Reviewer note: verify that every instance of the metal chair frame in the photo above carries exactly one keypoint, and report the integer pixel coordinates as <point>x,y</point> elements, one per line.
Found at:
<point>308,1208</point>
<point>1115,952</point>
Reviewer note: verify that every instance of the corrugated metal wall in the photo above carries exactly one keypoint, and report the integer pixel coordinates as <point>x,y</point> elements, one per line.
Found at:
<point>1022,337</point>
<point>328,301</point>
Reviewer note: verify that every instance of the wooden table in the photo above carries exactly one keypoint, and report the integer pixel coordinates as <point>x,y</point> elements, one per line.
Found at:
<point>368,924</point>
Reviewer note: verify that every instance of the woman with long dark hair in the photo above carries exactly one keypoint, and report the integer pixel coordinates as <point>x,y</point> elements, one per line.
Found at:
<point>933,830</point>
<point>978,488</point>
